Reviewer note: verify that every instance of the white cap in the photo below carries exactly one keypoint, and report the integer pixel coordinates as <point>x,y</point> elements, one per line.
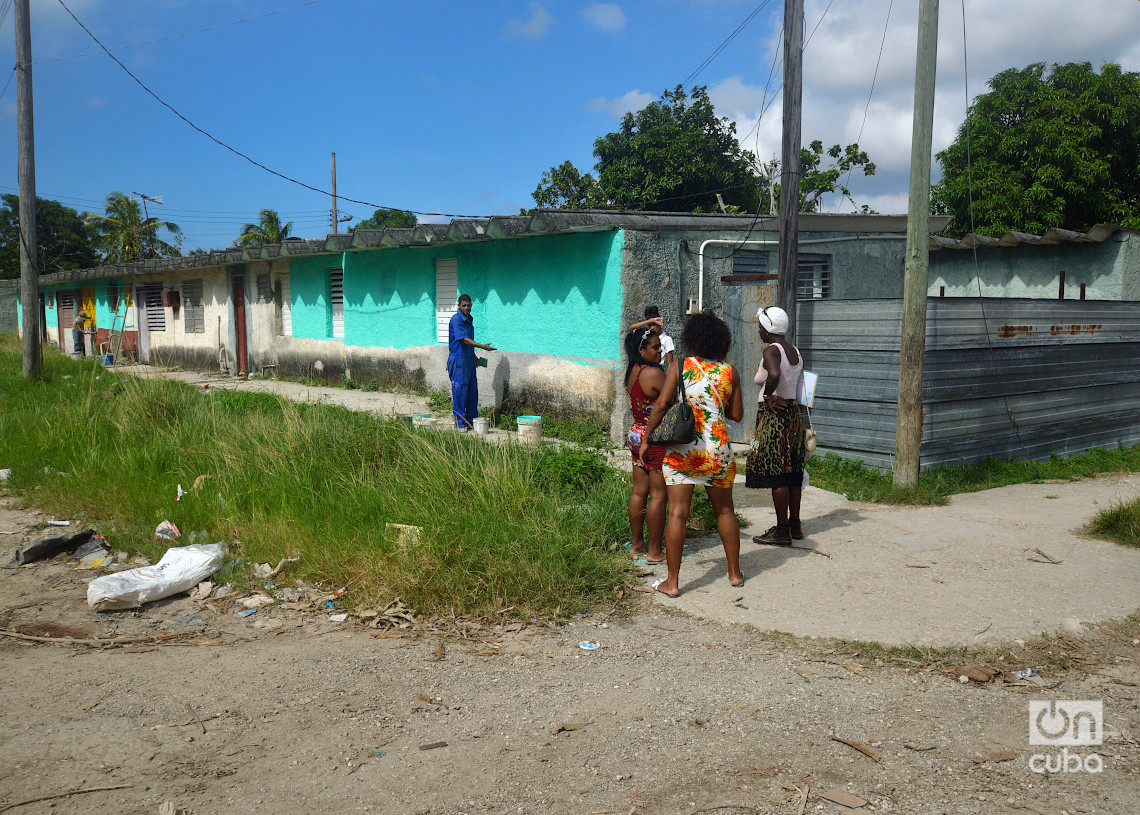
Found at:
<point>774,319</point>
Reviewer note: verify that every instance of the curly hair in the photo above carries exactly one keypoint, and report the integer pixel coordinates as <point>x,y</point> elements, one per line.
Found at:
<point>707,336</point>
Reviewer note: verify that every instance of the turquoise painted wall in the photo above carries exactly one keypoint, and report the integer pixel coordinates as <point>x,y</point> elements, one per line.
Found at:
<point>557,295</point>
<point>389,298</point>
<point>309,295</point>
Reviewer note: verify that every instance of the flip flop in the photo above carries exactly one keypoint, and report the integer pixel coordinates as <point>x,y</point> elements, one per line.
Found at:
<point>656,588</point>
<point>656,562</point>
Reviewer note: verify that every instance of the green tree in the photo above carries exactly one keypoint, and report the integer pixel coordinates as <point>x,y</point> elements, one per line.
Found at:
<point>385,218</point>
<point>675,155</point>
<point>1057,148</point>
<point>123,235</point>
<point>564,187</point>
<point>61,238</point>
<point>269,229</point>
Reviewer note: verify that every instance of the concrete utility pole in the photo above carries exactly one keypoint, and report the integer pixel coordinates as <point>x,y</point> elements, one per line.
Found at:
<point>335,214</point>
<point>790,162</point>
<point>29,262</point>
<point>908,429</point>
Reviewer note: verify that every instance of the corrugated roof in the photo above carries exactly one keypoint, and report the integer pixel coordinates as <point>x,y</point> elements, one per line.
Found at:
<point>559,222</point>
<point>1097,234</point>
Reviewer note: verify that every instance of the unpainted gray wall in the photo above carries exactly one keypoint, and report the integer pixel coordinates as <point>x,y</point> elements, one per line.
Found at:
<point>8,307</point>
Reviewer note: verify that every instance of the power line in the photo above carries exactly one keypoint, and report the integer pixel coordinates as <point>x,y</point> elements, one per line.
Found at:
<point>233,150</point>
<point>709,59</point>
<point>178,36</point>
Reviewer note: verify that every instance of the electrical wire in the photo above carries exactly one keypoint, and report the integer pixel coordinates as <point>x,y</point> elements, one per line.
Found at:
<point>870,93</point>
<point>711,57</point>
<point>234,150</point>
<point>178,36</point>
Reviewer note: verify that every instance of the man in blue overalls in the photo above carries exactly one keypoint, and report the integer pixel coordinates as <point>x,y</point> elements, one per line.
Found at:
<point>461,365</point>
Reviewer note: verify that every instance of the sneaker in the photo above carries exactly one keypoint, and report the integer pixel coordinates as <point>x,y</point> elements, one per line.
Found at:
<point>776,536</point>
<point>797,530</point>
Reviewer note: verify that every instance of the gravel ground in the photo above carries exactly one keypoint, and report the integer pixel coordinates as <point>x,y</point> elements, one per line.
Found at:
<point>288,712</point>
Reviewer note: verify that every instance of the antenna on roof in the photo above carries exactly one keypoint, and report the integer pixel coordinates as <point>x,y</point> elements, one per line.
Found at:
<point>156,199</point>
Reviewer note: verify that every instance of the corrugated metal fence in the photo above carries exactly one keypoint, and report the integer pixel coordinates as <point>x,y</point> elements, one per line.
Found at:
<point>1003,378</point>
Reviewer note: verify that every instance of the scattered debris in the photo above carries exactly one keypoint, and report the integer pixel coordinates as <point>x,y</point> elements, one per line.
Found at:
<point>269,572</point>
<point>862,748</point>
<point>199,480</point>
<point>433,745</point>
<point>5,475</point>
<point>979,674</point>
<point>257,601</point>
<point>69,793</point>
<point>202,591</point>
<point>179,493</point>
<point>1043,558</point>
<point>587,645</point>
<point>1004,755</point>
<point>96,559</point>
<point>910,745</point>
<point>51,546</point>
<point>337,618</point>
<point>179,570</point>
<point>98,643</point>
<point>166,531</point>
<point>406,533</point>
<point>1029,675</point>
<point>567,728</point>
<point>59,523</point>
<point>843,798</point>
<point>245,612</point>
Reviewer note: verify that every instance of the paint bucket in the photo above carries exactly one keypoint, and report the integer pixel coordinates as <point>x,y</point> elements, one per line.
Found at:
<point>480,426</point>
<point>423,420</point>
<point>108,360</point>
<point>530,430</point>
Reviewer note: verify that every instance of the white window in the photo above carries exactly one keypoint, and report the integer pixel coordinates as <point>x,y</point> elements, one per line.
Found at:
<point>152,305</point>
<point>286,307</point>
<point>813,277</point>
<point>446,293</point>
<point>336,299</point>
<point>193,311</point>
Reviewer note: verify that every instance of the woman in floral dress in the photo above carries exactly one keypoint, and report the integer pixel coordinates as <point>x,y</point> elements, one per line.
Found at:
<point>712,389</point>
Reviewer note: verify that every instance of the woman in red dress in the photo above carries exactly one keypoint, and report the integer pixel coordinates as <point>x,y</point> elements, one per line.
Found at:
<point>643,381</point>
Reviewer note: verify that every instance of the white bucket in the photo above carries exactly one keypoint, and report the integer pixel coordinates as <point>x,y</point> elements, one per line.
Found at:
<point>480,426</point>
<point>530,430</point>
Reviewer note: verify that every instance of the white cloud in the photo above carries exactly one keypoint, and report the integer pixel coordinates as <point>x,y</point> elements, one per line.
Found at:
<point>632,101</point>
<point>839,66</point>
<point>889,204</point>
<point>607,17</point>
<point>534,28</point>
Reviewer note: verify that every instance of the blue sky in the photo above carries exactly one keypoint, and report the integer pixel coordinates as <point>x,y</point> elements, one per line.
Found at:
<point>458,107</point>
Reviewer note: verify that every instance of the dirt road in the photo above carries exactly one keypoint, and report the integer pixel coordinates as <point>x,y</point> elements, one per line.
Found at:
<point>287,712</point>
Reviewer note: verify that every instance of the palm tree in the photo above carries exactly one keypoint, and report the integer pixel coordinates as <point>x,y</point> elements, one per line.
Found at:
<point>124,235</point>
<point>269,230</point>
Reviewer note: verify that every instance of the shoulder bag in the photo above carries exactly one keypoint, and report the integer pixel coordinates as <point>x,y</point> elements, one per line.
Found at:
<point>678,423</point>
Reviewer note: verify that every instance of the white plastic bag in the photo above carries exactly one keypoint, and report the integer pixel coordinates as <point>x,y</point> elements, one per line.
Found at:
<point>180,569</point>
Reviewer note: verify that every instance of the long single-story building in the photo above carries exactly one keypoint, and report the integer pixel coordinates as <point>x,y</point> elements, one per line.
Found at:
<point>553,291</point>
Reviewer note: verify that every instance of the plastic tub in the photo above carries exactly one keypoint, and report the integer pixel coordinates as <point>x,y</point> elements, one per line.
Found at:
<point>480,426</point>
<point>423,420</point>
<point>530,429</point>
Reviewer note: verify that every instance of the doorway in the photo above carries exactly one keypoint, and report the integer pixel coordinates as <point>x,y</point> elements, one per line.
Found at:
<point>241,352</point>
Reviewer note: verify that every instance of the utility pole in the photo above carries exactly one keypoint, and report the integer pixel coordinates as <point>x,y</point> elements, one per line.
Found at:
<point>335,214</point>
<point>908,428</point>
<point>29,262</point>
<point>790,171</point>
<point>146,217</point>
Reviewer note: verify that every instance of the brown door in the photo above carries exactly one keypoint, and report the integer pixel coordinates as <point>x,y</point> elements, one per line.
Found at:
<point>66,313</point>
<point>239,323</point>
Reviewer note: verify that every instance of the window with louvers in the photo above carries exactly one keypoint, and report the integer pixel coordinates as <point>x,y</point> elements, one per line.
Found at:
<point>749,263</point>
<point>264,290</point>
<point>193,309</point>
<point>813,277</point>
<point>152,305</point>
<point>336,299</point>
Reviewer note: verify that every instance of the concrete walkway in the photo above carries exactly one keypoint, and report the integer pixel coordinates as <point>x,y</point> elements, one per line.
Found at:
<point>968,573</point>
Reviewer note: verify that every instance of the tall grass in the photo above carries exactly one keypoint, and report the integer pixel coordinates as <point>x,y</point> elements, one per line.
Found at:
<point>935,486</point>
<point>1120,523</point>
<point>503,525</point>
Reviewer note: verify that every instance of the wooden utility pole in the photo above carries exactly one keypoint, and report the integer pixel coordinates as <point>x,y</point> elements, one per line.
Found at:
<point>29,262</point>
<point>908,429</point>
<point>790,171</point>
<point>335,214</point>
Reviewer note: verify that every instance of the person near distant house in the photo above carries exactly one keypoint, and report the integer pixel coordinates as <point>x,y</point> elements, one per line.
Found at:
<point>712,389</point>
<point>462,365</point>
<point>78,328</point>
<point>777,458</point>
<point>653,320</point>
<point>643,381</point>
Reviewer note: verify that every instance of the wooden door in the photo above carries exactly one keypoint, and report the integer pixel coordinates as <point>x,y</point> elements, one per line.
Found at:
<point>66,310</point>
<point>242,360</point>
